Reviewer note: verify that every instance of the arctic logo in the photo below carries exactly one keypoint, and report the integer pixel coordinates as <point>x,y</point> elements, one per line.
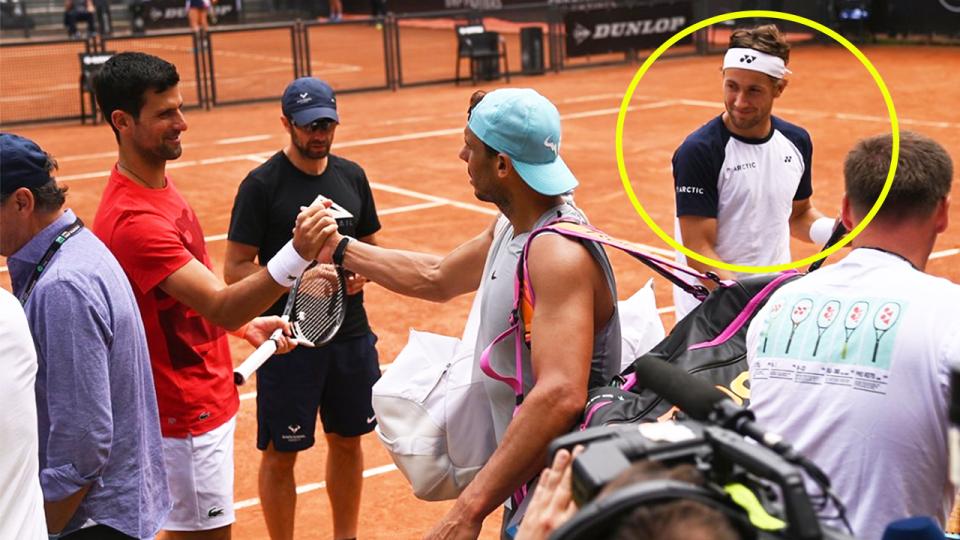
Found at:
<point>636,28</point>
<point>550,145</point>
<point>742,167</point>
<point>748,59</point>
<point>690,189</point>
<point>580,33</point>
<point>294,428</point>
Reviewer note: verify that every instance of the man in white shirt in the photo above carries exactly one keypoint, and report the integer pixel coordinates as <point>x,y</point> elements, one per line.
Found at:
<point>851,363</point>
<point>743,180</point>
<point>21,501</point>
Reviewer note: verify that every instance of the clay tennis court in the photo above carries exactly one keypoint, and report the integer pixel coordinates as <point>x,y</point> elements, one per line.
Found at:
<point>408,143</point>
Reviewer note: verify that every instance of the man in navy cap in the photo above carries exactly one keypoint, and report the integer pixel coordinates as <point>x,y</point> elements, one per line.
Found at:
<point>512,150</point>
<point>336,379</point>
<point>101,455</point>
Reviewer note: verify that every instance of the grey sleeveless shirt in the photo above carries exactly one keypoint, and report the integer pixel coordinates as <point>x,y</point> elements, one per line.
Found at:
<point>495,306</point>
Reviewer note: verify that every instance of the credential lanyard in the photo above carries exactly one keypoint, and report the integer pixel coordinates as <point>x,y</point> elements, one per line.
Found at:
<point>45,260</point>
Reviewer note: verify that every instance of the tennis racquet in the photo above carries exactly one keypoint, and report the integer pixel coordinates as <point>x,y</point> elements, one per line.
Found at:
<point>316,306</point>
<point>838,233</point>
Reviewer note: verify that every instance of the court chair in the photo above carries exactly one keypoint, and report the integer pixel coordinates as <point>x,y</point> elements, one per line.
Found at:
<point>484,49</point>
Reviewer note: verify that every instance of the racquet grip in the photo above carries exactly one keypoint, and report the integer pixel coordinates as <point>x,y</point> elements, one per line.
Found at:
<point>255,360</point>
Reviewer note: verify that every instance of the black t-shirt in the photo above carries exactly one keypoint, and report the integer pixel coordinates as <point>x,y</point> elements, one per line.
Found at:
<point>269,199</point>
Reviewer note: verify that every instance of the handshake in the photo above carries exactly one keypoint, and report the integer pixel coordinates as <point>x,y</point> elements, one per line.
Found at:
<point>315,235</point>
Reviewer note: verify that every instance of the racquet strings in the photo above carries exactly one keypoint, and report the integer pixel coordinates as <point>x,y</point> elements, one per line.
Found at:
<point>320,303</point>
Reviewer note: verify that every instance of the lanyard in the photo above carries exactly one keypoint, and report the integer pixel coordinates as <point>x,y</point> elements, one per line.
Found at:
<point>45,260</point>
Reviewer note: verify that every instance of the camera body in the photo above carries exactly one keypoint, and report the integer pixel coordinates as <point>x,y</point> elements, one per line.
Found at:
<point>724,458</point>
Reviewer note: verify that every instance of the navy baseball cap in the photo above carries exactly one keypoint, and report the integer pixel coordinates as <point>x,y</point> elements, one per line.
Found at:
<point>309,99</point>
<point>524,125</point>
<point>22,164</point>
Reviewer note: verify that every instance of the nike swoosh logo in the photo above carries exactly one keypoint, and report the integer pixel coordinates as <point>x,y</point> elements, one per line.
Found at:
<point>372,419</point>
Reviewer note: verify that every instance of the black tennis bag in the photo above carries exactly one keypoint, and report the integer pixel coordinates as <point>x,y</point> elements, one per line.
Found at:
<point>710,342</point>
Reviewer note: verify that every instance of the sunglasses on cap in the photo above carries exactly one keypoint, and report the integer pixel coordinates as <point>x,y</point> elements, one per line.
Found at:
<point>322,124</point>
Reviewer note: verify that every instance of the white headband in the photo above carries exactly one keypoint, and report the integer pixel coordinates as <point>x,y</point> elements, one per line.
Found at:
<point>755,61</point>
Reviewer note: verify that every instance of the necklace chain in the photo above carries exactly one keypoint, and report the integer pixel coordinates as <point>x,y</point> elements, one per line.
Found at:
<point>129,170</point>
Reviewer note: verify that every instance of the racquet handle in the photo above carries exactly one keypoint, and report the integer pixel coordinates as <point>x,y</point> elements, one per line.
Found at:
<point>255,360</point>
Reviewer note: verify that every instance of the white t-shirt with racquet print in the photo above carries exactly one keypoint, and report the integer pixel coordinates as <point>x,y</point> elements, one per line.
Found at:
<point>851,365</point>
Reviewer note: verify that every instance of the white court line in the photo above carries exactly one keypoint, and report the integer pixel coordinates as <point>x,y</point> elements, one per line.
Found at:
<point>312,487</point>
<point>410,208</point>
<point>839,116</point>
<point>944,253</point>
<point>221,142</point>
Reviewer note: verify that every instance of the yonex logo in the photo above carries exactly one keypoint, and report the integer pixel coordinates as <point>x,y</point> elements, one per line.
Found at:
<point>748,59</point>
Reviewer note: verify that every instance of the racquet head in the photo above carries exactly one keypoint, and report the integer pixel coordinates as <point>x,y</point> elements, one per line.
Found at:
<point>319,304</point>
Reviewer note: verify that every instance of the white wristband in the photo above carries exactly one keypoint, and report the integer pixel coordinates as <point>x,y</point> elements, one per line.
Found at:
<point>287,265</point>
<point>821,230</point>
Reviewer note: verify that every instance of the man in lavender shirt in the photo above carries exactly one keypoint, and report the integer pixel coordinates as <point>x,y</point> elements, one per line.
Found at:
<point>101,462</point>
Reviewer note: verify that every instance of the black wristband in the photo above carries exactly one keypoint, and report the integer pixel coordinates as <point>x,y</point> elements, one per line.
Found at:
<point>341,250</point>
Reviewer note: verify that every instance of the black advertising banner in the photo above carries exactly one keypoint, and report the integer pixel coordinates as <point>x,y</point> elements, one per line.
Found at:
<point>159,14</point>
<point>622,29</point>
<point>421,6</point>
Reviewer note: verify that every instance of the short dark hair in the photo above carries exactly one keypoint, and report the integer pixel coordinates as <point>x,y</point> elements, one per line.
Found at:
<point>766,39</point>
<point>50,196</point>
<point>122,83</point>
<point>474,101</point>
<point>673,520</point>
<point>923,177</point>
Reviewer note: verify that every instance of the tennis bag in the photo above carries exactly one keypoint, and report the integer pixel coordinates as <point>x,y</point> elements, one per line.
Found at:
<point>710,342</point>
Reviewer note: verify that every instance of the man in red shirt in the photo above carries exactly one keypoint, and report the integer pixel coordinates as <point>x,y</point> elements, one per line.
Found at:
<point>156,237</point>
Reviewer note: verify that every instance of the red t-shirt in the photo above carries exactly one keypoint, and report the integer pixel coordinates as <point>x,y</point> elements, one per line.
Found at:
<point>153,233</point>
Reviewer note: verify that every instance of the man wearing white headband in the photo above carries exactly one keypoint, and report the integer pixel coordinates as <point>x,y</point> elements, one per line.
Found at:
<point>742,180</point>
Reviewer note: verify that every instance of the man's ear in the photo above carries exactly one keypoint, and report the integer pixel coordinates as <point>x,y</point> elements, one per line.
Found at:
<point>23,201</point>
<point>943,215</point>
<point>286,123</point>
<point>121,120</point>
<point>779,87</point>
<point>846,213</point>
<point>504,165</point>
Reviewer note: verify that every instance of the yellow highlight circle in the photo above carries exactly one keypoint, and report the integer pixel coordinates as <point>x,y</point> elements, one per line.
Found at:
<point>773,15</point>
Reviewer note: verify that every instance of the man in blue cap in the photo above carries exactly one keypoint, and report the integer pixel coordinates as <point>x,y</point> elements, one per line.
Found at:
<point>101,455</point>
<point>512,150</point>
<point>335,379</point>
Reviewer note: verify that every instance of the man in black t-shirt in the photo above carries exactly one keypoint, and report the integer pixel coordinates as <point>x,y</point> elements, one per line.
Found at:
<point>335,379</point>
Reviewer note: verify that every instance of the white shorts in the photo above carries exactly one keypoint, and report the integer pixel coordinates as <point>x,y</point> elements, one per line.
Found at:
<point>200,474</point>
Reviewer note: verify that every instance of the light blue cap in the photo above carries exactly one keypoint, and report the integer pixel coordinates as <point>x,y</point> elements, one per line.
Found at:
<point>524,125</point>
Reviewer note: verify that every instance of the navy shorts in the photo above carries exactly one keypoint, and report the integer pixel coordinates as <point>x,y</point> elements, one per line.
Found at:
<point>335,380</point>
<point>198,4</point>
